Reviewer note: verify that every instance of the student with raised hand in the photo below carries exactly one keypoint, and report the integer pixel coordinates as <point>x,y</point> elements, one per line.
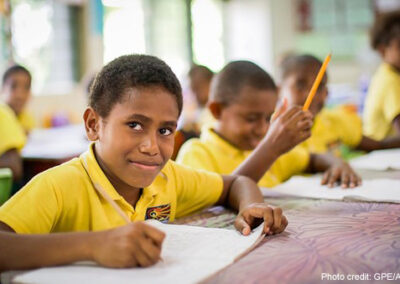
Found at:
<point>243,99</point>
<point>16,92</point>
<point>331,126</point>
<point>133,110</point>
<point>381,117</point>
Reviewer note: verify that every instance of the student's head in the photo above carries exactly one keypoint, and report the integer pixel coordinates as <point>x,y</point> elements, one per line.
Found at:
<point>298,75</point>
<point>16,87</point>
<point>243,97</point>
<point>134,105</point>
<point>200,79</point>
<point>385,37</point>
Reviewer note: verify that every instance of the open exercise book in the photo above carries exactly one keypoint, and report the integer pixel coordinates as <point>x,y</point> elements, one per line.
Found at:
<point>376,190</point>
<point>381,160</point>
<point>190,254</point>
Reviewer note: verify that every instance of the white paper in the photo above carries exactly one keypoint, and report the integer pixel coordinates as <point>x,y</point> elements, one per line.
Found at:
<point>376,190</point>
<point>190,254</point>
<point>381,160</point>
<point>56,143</point>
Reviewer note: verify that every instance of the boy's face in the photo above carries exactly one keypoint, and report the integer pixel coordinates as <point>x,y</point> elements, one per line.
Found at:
<point>17,91</point>
<point>297,86</point>
<point>200,86</point>
<point>391,53</point>
<point>245,122</point>
<point>136,139</point>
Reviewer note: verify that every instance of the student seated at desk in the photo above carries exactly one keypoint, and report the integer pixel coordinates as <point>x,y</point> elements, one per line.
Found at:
<point>331,126</point>
<point>133,110</point>
<point>382,106</point>
<point>16,91</point>
<point>12,140</point>
<point>243,98</point>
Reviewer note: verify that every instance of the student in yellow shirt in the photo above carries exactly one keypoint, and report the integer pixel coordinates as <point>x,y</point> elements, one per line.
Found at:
<point>381,115</point>
<point>16,90</point>
<point>12,140</point>
<point>243,98</point>
<point>132,115</point>
<point>331,126</point>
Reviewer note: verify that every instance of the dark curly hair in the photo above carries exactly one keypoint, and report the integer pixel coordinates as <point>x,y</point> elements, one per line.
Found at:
<point>385,28</point>
<point>131,71</point>
<point>236,75</point>
<point>15,69</point>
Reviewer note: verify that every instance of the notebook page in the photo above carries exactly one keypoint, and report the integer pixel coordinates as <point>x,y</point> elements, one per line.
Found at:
<point>381,160</point>
<point>189,254</point>
<point>377,190</point>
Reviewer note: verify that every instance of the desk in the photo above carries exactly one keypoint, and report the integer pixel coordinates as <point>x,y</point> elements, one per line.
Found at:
<point>322,237</point>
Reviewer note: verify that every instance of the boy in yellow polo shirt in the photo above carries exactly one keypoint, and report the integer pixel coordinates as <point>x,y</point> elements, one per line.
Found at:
<point>243,98</point>
<point>382,106</point>
<point>133,110</point>
<point>16,91</point>
<point>12,140</point>
<point>331,126</point>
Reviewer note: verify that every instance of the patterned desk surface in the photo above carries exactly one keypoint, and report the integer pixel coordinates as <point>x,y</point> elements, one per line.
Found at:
<point>322,237</point>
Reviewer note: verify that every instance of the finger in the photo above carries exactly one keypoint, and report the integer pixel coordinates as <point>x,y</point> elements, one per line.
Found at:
<point>284,223</point>
<point>304,124</point>
<point>359,180</point>
<point>291,112</point>
<point>277,214</point>
<point>154,234</point>
<point>345,179</point>
<point>150,249</point>
<point>242,226</point>
<point>268,216</point>
<point>334,177</point>
<point>325,177</point>
<point>142,258</point>
<point>280,110</point>
<point>354,180</point>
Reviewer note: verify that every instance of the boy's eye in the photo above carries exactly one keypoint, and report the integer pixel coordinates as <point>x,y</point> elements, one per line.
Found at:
<point>165,131</point>
<point>135,125</point>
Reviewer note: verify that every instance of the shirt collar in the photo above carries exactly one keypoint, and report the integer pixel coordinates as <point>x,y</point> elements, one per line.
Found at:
<point>210,137</point>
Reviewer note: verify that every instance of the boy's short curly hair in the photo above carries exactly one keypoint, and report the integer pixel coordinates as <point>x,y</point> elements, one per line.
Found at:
<point>131,71</point>
<point>15,69</point>
<point>385,28</point>
<point>229,82</point>
<point>296,64</point>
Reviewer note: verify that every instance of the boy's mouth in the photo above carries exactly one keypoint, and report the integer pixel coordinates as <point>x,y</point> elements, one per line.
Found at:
<point>145,165</point>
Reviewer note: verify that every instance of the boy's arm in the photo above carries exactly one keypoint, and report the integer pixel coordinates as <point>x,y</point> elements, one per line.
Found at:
<point>136,244</point>
<point>288,130</point>
<point>243,195</point>
<point>396,124</point>
<point>11,159</point>
<point>368,144</point>
<point>335,170</point>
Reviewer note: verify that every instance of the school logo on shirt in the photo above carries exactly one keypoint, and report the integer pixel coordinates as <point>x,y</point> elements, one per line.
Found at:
<point>160,213</point>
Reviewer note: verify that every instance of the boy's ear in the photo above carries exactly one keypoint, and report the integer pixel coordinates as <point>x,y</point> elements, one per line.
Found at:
<point>92,120</point>
<point>215,109</point>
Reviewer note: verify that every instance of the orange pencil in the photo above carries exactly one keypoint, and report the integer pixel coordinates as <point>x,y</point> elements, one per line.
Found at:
<point>317,81</point>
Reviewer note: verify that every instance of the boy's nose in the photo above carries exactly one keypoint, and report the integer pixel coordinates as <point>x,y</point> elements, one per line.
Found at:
<point>149,145</point>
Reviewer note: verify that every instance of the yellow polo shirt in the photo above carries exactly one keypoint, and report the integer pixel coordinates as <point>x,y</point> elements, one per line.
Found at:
<point>12,135</point>
<point>213,153</point>
<point>333,127</point>
<point>63,199</point>
<point>27,120</point>
<point>382,104</point>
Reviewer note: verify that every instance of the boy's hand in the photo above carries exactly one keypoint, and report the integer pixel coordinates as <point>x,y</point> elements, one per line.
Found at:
<point>254,214</point>
<point>135,244</point>
<point>289,128</point>
<point>343,173</point>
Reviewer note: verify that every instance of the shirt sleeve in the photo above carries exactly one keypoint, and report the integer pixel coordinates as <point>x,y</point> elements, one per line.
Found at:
<point>349,126</point>
<point>195,155</point>
<point>34,209</point>
<point>391,103</point>
<point>292,163</point>
<point>11,132</point>
<point>196,189</point>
